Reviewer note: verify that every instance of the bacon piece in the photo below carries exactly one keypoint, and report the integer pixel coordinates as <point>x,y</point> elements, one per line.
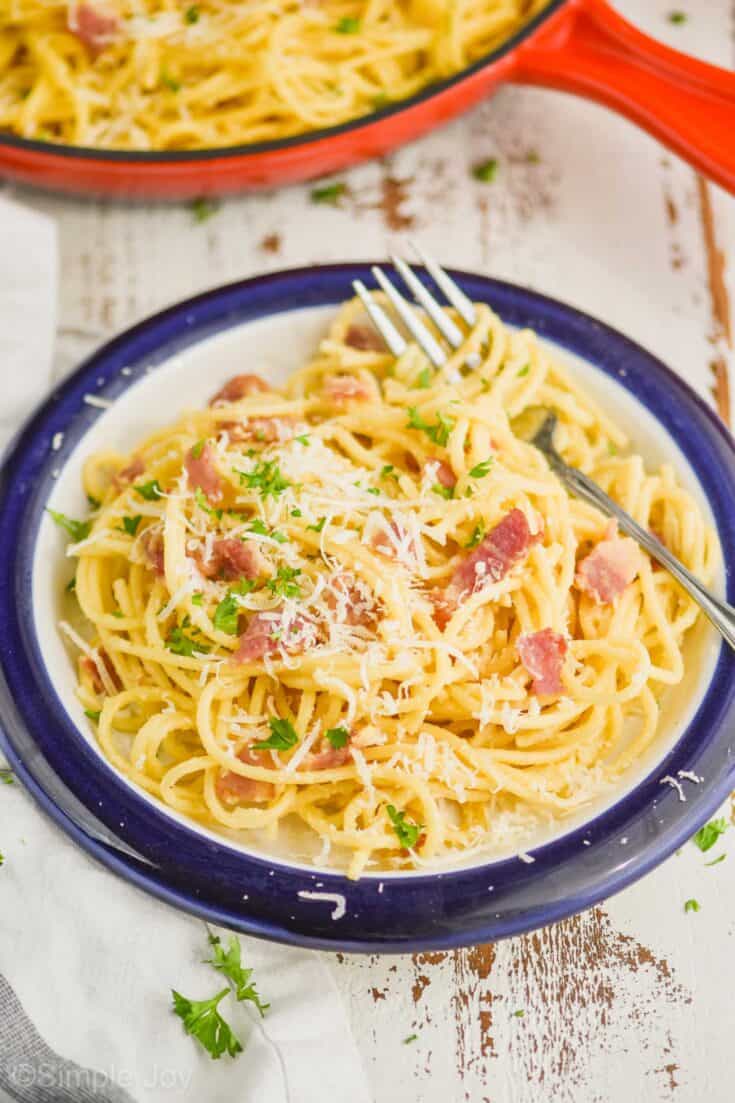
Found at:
<point>542,653</point>
<point>506,545</point>
<point>90,666</point>
<point>128,474</point>
<point>383,544</point>
<point>240,386</point>
<point>202,473</point>
<point>351,599</point>
<point>95,25</point>
<point>232,559</point>
<point>265,430</point>
<point>444,474</point>
<point>153,547</point>
<point>341,389</point>
<point>445,606</point>
<point>609,568</point>
<point>329,759</point>
<point>267,633</point>
<point>231,787</point>
<point>364,338</point>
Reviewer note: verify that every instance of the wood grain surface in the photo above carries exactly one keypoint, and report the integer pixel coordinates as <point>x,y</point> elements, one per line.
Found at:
<point>631,1001</point>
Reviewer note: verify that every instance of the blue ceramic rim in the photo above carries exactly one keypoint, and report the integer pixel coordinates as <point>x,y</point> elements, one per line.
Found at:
<point>428,911</point>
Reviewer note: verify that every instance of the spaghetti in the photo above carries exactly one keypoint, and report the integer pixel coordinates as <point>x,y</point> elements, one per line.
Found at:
<point>363,604</point>
<point>167,75</point>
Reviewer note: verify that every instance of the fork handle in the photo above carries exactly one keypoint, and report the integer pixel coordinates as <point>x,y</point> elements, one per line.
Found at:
<point>719,612</point>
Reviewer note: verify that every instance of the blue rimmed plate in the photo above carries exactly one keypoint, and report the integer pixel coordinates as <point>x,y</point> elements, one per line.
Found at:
<point>271,324</point>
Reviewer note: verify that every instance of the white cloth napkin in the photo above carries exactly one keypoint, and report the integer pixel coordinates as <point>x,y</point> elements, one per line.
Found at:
<point>88,962</point>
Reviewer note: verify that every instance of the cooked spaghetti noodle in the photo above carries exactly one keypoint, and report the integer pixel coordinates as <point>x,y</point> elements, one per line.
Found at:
<point>167,75</point>
<point>365,605</point>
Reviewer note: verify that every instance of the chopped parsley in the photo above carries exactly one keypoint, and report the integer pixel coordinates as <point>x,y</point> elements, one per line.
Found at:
<point>203,209</point>
<point>78,530</point>
<point>197,598</point>
<point>284,584</point>
<point>519,1014</point>
<point>411,1038</point>
<point>388,471</point>
<point>716,861</point>
<point>337,737</point>
<point>678,17</point>
<point>71,585</point>
<point>348,25</point>
<point>708,835</point>
<point>523,371</point>
<point>261,529</point>
<point>407,833</point>
<point>179,643</point>
<point>423,379</point>
<point>283,736</point>
<point>612,449</point>
<point>303,439</point>
<point>478,533</point>
<point>329,193</point>
<point>443,491</point>
<point>691,906</point>
<point>191,15</point>
<point>229,963</point>
<point>93,714</point>
<point>318,526</point>
<point>485,171</point>
<point>6,776</point>
<point>266,478</point>
<point>170,82</point>
<point>130,524</point>
<point>480,470</point>
<point>438,433</point>
<point>372,490</point>
<point>201,1019</point>
<point>197,449</point>
<point>227,615</point>
<point>151,491</point>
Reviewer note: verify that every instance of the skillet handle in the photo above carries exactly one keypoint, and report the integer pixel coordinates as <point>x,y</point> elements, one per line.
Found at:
<point>588,49</point>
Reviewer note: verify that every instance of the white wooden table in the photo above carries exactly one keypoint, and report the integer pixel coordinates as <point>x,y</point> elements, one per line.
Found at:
<point>633,1000</point>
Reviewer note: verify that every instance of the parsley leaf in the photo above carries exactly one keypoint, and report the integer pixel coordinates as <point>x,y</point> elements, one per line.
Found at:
<point>259,527</point>
<point>2,859</point>
<point>337,737</point>
<point>78,530</point>
<point>677,17</point>
<point>486,171</point>
<point>6,776</point>
<point>388,471</point>
<point>303,439</point>
<point>329,193</point>
<point>519,1014</point>
<point>444,491</point>
<point>227,615</point>
<point>424,379</point>
<point>150,491</point>
<point>283,584</point>
<point>372,490</point>
<point>283,736</point>
<point>130,524</point>
<point>408,833</point>
<point>197,598</point>
<point>691,906</point>
<point>203,502</point>
<point>203,209</point>
<point>523,371</point>
<point>708,835</point>
<point>191,15</point>
<point>409,1039</point>
<point>478,533</point>
<point>438,433</point>
<point>94,503</point>
<point>71,585</point>
<point>716,861</point>
<point>480,470</point>
<point>348,25</point>
<point>180,644</point>
<point>318,526</point>
<point>228,962</point>
<point>266,477</point>
<point>93,714</point>
<point>197,449</point>
<point>201,1019</point>
<point>170,82</point>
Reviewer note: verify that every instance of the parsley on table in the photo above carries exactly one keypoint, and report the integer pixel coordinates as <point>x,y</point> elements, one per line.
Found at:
<point>78,530</point>
<point>486,171</point>
<point>480,470</point>
<point>329,193</point>
<point>716,861</point>
<point>179,643</point>
<point>284,584</point>
<point>93,714</point>
<point>691,906</point>
<point>6,776</point>
<point>443,491</point>
<point>478,533</point>
<point>283,736</point>
<point>708,835</point>
<point>201,1019</point>
<point>229,963</point>
<point>348,25</point>
<point>204,209</point>
<point>2,859</point>
<point>407,833</point>
<point>130,524</point>
<point>337,737</point>
<point>678,17</point>
<point>266,478</point>
<point>151,491</point>
<point>519,1014</point>
<point>409,1039</point>
<point>191,15</point>
<point>438,433</point>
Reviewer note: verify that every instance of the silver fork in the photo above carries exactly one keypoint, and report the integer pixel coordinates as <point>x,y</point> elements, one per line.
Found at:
<point>718,611</point>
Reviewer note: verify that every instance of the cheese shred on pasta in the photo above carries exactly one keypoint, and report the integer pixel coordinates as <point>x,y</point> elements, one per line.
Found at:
<point>169,74</point>
<point>364,605</point>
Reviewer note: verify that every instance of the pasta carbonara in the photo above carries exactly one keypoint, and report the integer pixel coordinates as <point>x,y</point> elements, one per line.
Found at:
<point>363,603</point>
<point>170,74</point>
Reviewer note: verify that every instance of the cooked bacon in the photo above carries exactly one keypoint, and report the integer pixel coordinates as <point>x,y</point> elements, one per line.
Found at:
<point>265,430</point>
<point>202,472</point>
<point>128,474</point>
<point>266,634</point>
<point>444,474</point>
<point>231,787</point>
<point>504,546</point>
<point>240,386</point>
<point>542,653</point>
<point>364,338</point>
<point>609,568</point>
<point>90,666</point>
<point>232,559</point>
<point>351,599</point>
<point>152,541</point>
<point>342,389</point>
<point>445,606</point>
<point>95,24</point>
<point>329,759</point>
<point>382,543</point>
